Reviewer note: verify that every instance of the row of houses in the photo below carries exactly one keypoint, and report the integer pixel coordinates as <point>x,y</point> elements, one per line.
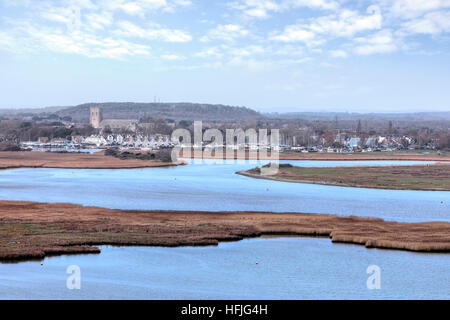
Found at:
<point>155,142</point>
<point>126,141</point>
<point>141,142</point>
<point>369,144</point>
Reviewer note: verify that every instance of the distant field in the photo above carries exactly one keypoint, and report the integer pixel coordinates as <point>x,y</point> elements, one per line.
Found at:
<point>418,177</point>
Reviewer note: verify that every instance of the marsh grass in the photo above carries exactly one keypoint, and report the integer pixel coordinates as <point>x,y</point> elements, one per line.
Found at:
<point>417,177</point>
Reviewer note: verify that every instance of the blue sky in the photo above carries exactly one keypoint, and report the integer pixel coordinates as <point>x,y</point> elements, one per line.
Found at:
<point>270,55</point>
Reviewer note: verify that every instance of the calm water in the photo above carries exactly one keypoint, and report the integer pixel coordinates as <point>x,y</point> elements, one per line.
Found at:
<point>217,187</point>
<point>289,268</point>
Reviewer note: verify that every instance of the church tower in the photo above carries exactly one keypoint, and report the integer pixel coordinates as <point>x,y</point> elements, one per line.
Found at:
<point>96,117</point>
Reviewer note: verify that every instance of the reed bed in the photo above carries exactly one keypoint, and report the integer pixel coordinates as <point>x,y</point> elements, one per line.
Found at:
<point>30,230</point>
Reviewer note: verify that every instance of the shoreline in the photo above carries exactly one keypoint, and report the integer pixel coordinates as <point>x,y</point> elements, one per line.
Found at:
<point>33,231</point>
<point>23,159</point>
<point>324,183</point>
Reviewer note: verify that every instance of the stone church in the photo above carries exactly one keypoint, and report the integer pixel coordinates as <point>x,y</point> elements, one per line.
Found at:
<point>97,121</point>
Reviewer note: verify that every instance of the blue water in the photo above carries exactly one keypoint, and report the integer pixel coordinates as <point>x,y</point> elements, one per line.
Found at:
<point>288,268</point>
<point>216,187</point>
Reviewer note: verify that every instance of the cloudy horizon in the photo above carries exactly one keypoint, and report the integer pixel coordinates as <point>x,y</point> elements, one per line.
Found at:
<point>268,55</point>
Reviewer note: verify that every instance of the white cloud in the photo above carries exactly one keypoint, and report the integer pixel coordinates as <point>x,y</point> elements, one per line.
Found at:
<point>88,27</point>
<point>413,8</point>
<point>227,32</point>
<point>313,4</point>
<point>255,8</point>
<point>55,40</point>
<point>286,50</point>
<point>249,63</point>
<point>345,23</point>
<point>171,57</point>
<point>141,7</point>
<point>99,20</point>
<point>130,7</point>
<point>253,57</point>
<point>213,52</point>
<point>63,15</point>
<point>263,8</point>
<point>247,51</point>
<point>183,3</point>
<point>130,30</point>
<point>431,23</point>
<point>338,54</point>
<point>380,42</point>
<point>125,28</point>
<point>296,33</point>
<point>253,51</point>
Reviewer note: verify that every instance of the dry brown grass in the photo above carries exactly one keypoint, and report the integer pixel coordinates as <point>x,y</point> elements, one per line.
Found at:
<point>34,230</point>
<point>416,177</point>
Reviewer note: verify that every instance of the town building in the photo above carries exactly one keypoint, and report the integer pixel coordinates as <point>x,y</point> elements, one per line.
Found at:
<point>97,121</point>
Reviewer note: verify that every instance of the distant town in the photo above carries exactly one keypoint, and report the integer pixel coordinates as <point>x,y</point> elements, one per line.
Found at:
<point>60,131</point>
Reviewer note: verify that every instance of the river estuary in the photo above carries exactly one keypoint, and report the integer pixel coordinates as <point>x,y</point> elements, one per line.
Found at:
<point>288,268</point>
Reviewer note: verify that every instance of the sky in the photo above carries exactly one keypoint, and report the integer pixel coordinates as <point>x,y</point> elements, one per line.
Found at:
<point>269,55</point>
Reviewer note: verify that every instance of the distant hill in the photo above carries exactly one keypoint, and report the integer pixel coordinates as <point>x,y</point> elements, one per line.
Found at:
<point>175,111</point>
<point>405,116</point>
<point>213,112</point>
<point>29,111</point>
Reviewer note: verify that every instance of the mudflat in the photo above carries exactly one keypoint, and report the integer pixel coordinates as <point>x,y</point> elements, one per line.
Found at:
<point>30,230</point>
<point>28,159</point>
<point>433,177</point>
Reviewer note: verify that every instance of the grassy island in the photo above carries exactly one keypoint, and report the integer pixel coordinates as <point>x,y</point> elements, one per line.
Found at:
<point>74,160</point>
<point>416,177</point>
<point>30,230</point>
